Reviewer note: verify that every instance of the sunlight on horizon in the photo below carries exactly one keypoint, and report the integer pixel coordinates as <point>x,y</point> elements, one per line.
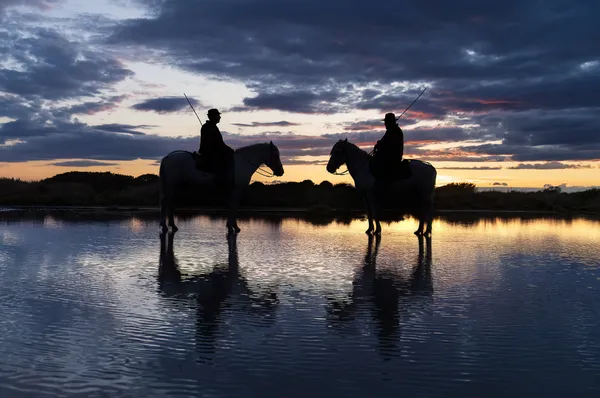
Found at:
<point>38,170</point>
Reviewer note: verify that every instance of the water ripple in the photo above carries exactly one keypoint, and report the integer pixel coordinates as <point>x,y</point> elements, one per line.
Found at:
<point>292,309</point>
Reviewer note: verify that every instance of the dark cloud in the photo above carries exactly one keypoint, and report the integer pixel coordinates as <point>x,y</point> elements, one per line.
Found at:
<point>550,166</point>
<point>299,41</point>
<point>24,129</point>
<point>514,57</point>
<point>470,168</point>
<point>298,102</point>
<point>76,140</point>
<point>50,66</point>
<point>122,128</point>
<point>524,153</point>
<point>13,107</point>
<point>79,141</point>
<point>419,134</point>
<point>501,184</point>
<point>90,107</point>
<point>376,124</point>
<point>83,163</point>
<point>166,104</point>
<point>282,123</point>
<point>504,72</point>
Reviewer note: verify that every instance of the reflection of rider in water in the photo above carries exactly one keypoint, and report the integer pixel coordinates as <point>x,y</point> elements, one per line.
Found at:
<point>219,156</point>
<point>389,150</point>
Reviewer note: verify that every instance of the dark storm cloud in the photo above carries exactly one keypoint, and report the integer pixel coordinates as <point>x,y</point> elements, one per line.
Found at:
<point>509,70</point>
<point>90,107</point>
<point>121,128</point>
<point>470,168</point>
<point>527,153</point>
<point>478,57</point>
<point>75,140</point>
<point>282,123</point>
<point>375,124</point>
<point>311,41</point>
<point>550,166</point>
<point>25,129</point>
<point>13,107</point>
<point>79,141</point>
<point>52,67</point>
<point>501,184</point>
<point>82,163</point>
<point>166,104</point>
<point>297,101</point>
<point>45,64</point>
<point>419,134</point>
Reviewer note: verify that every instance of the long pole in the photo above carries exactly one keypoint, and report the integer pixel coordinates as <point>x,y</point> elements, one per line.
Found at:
<point>412,103</point>
<point>188,100</point>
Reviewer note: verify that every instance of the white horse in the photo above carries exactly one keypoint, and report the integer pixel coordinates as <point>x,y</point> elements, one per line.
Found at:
<point>179,167</point>
<point>421,183</point>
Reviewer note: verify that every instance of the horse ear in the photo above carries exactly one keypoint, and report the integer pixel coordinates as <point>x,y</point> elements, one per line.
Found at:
<point>346,140</point>
<point>271,143</point>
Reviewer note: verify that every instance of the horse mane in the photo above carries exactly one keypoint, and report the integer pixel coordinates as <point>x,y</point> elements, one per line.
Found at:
<point>251,146</point>
<point>356,147</point>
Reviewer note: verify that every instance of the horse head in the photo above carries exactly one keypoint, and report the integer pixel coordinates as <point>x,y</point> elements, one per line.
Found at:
<point>274,161</point>
<point>337,156</point>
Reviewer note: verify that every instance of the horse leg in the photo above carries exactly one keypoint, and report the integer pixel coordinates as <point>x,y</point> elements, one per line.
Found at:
<point>419,231</point>
<point>171,212</point>
<point>163,213</point>
<point>369,214</point>
<point>374,211</point>
<point>429,217</point>
<point>234,204</point>
<point>422,218</point>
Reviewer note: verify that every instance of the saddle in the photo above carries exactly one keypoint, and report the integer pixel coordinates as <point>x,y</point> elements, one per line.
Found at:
<point>223,173</point>
<point>203,163</point>
<point>385,172</point>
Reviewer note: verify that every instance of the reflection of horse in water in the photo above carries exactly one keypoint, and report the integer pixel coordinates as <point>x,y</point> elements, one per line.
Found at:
<point>224,287</point>
<point>386,293</point>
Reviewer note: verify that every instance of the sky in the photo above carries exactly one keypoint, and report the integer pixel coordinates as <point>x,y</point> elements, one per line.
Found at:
<point>511,101</point>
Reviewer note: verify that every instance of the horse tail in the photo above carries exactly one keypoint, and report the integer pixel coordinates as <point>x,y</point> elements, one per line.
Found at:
<point>433,182</point>
<point>161,176</point>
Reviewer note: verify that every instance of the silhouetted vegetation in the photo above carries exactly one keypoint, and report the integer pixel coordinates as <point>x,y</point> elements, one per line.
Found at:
<point>115,190</point>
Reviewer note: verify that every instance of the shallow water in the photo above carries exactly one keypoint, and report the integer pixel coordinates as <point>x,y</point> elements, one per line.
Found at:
<point>486,308</point>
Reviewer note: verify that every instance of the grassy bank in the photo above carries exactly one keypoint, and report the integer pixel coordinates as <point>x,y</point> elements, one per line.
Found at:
<point>116,190</point>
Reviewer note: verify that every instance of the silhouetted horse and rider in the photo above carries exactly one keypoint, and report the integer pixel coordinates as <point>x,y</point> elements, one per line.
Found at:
<point>386,174</point>
<point>215,165</point>
<point>376,178</point>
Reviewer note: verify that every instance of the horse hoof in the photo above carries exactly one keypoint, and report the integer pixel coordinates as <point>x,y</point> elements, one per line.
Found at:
<point>234,229</point>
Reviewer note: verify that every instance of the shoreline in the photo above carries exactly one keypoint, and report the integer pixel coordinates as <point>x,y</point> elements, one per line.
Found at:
<point>316,211</point>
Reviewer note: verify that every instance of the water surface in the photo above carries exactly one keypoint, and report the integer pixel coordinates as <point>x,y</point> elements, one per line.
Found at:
<point>486,307</point>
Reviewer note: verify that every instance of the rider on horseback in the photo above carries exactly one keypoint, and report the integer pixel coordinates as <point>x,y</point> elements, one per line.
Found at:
<point>214,152</point>
<point>387,155</point>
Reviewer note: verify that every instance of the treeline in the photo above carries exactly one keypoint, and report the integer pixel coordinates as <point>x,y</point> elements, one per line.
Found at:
<point>108,189</point>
